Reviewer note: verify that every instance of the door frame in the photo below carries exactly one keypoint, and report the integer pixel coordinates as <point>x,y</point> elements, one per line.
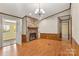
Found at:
<point>18,29</point>
<point>60,27</point>
<point>19,32</point>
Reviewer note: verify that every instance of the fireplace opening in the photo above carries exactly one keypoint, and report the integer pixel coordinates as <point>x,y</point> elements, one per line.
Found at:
<point>32,36</point>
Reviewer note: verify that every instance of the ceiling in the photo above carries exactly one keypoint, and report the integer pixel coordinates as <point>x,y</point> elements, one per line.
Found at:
<point>22,9</point>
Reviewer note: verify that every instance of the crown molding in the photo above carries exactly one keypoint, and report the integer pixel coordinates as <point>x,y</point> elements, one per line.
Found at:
<point>36,18</point>
<point>10,15</point>
<point>56,13</point>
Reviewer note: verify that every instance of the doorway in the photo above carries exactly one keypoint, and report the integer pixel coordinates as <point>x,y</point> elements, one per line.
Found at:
<point>9,32</point>
<point>64,27</point>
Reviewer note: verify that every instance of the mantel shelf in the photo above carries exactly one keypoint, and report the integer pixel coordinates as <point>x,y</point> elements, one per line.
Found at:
<point>32,27</point>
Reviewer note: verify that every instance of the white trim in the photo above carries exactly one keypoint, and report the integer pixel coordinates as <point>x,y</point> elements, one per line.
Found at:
<point>76,40</point>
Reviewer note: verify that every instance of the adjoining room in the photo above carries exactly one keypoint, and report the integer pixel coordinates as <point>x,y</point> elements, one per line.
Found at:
<point>9,32</point>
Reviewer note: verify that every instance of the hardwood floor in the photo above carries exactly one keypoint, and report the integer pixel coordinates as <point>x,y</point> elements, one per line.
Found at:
<point>41,47</point>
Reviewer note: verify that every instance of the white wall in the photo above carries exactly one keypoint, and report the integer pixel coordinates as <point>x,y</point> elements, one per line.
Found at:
<point>24,25</point>
<point>19,31</point>
<point>75,21</point>
<point>50,25</point>
<point>0,31</point>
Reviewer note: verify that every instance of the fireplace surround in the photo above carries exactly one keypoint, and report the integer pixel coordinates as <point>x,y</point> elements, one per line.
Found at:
<point>32,33</point>
<point>32,36</point>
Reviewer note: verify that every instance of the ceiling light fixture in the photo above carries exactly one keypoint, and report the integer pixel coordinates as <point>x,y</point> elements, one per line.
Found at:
<point>39,11</point>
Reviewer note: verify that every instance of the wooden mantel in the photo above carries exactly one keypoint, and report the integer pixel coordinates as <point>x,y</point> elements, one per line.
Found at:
<point>32,27</point>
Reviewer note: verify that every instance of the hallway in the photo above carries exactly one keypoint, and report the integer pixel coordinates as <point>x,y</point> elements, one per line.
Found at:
<point>42,47</point>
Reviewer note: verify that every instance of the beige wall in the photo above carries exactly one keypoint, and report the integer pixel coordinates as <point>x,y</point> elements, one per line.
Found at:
<point>75,21</point>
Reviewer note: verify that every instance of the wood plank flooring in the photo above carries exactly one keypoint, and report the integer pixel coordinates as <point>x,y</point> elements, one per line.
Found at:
<point>41,47</point>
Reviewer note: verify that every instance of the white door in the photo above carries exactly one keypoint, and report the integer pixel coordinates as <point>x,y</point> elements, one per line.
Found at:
<point>19,31</point>
<point>65,30</point>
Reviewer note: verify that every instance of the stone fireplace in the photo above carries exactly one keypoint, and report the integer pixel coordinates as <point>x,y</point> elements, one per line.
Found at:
<point>30,29</point>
